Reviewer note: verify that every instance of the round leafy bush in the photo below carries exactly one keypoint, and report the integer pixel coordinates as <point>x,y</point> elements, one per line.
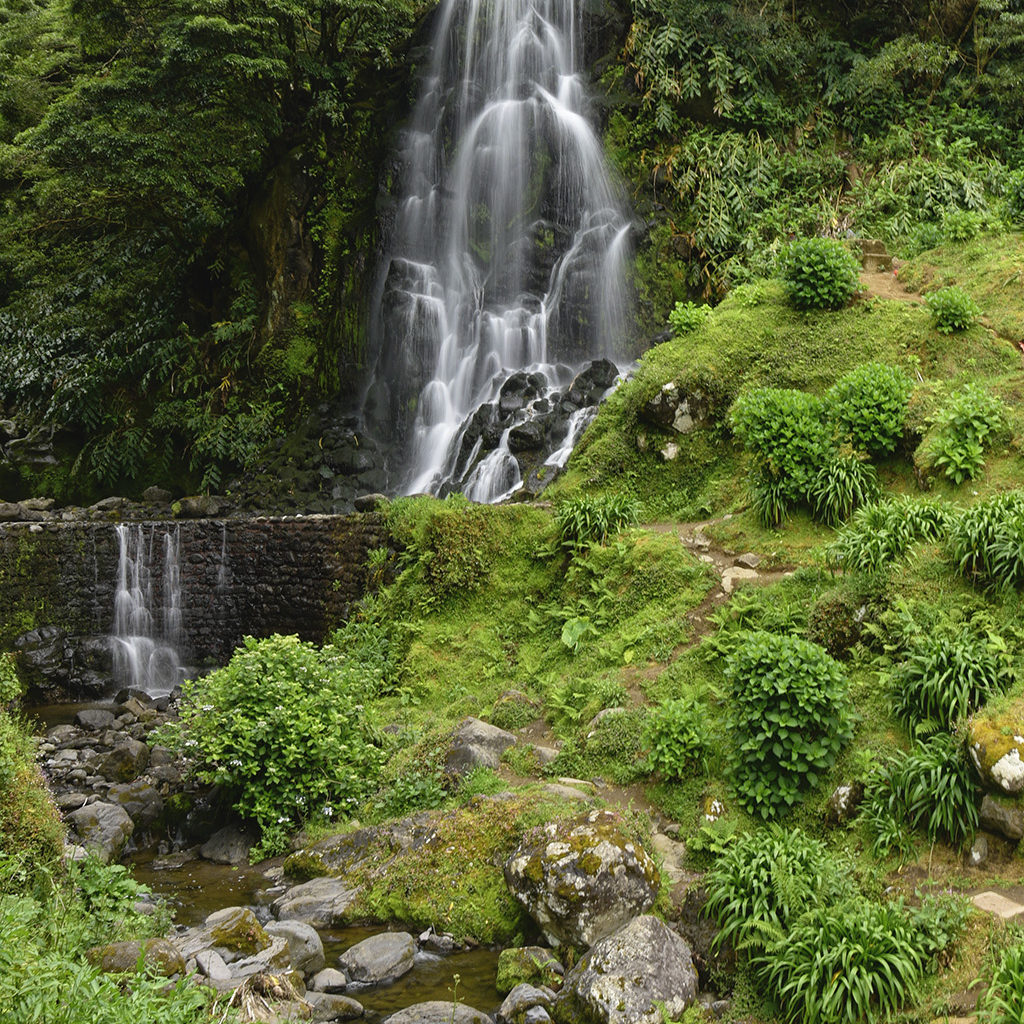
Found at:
<point>789,718</point>
<point>281,728</point>
<point>856,961</point>
<point>843,484</point>
<point>687,317</point>
<point>952,309</point>
<point>788,435</point>
<point>961,225</point>
<point>880,534</point>
<point>767,880</point>
<point>943,680</point>
<point>677,735</point>
<point>869,405</point>
<point>986,542</point>
<point>969,423</point>
<point>820,273</point>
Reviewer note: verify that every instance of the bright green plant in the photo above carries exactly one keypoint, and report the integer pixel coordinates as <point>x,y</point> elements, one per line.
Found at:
<point>415,790</point>
<point>964,428</point>
<point>931,788</point>
<point>986,542</point>
<point>1015,197</point>
<point>10,683</point>
<point>944,679</point>
<point>952,309</point>
<point>787,434</point>
<point>961,225</point>
<point>856,961</point>
<point>869,405</point>
<point>820,273</point>
<point>843,484</point>
<point>677,735</point>
<point>789,717</point>
<point>765,881</point>
<point>587,520</point>
<point>880,534</point>
<point>281,729</point>
<point>687,316</point>
<point>1002,1001</point>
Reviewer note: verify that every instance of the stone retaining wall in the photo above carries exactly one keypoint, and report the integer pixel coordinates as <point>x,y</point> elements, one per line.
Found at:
<point>239,577</point>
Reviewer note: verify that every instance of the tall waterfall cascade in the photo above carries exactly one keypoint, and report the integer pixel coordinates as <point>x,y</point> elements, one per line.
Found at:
<point>148,634</point>
<point>504,265</point>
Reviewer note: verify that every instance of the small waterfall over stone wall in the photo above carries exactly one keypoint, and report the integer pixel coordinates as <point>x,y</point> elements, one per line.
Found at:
<point>147,635</point>
<point>504,272</point>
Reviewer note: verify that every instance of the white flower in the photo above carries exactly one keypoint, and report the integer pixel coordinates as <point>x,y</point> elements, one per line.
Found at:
<point>283,821</point>
<point>207,707</point>
<point>235,763</point>
<point>328,811</point>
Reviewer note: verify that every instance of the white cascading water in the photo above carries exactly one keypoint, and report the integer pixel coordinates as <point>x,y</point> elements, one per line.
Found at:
<point>508,246</point>
<point>148,616</point>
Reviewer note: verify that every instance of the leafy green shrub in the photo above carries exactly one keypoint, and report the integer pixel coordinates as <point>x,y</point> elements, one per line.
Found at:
<point>961,225</point>
<point>586,520</point>
<point>845,483</point>
<point>880,534</point>
<point>820,273</point>
<point>10,683</point>
<point>970,422</point>
<point>944,679</point>
<point>787,433</point>
<point>765,881</point>
<point>677,735</point>
<point>1002,1001</point>
<point>281,728</point>
<point>687,317</point>
<point>857,961</point>
<point>1015,197</point>
<point>986,542</point>
<point>921,237</point>
<point>931,787</point>
<point>789,717</point>
<point>869,404</point>
<point>413,791</point>
<point>513,710</point>
<point>952,309</point>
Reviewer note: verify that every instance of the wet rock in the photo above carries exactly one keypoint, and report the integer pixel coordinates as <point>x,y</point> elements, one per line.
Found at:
<point>582,879</point>
<point>198,506</point>
<point>158,955</point>
<point>139,799</point>
<point>379,959</point>
<point>229,845</point>
<point>329,980</point>
<point>328,1006</point>
<point>630,977</point>
<point>125,762</point>
<point>438,1011</point>
<point>519,1001</point>
<point>237,930</point>
<point>103,828</point>
<point>533,965</point>
<point>477,744</point>
<point>320,902</point>
<point>305,949</point>
<point>1003,817</point>
<point>526,437</point>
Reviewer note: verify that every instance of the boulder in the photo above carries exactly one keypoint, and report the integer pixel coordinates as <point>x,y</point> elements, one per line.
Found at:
<point>329,980</point>
<point>380,959</point>
<point>140,800</point>
<point>157,495</point>
<point>94,719</point>
<point>636,975</point>
<point>520,1001</point>
<point>582,879</point>
<point>125,762</point>
<point>672,409</point>
<point>229,845</point>
<point>104,829</point>
<point>237,929</point>
<point>198,506</point>
<point>328,1006</point>
<point>271,959</point>
<point>1003,817</point>
<point>996,744</point>
<point>438,1011</point>
<point>305,949</point>
<point>211,964</point>
<point>320,902</point>
<point>533,965</point>
<point>158,955</point>
<point>477,744</point>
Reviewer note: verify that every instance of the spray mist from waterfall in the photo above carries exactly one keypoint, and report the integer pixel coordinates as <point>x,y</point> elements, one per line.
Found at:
<point>508,247</point>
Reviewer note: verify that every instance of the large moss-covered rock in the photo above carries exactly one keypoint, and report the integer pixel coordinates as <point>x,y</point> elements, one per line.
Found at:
<point>238,930</point>
<point>996,745</point>
<point>157,955</point>
<point>635,976</point>
<point>531,965</point>
<point>582,879</point>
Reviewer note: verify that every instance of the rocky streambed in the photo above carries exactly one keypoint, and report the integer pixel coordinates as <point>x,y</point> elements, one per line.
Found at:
<point>520,908</point>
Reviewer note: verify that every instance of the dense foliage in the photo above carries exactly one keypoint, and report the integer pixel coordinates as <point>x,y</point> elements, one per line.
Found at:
<point>820,273</point>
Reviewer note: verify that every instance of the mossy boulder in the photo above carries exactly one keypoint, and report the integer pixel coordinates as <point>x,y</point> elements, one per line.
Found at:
<point>156,955</point>
<point>530,965</point>
<point>995,740</point>
<point>583,878</point>
<point>237,929</point>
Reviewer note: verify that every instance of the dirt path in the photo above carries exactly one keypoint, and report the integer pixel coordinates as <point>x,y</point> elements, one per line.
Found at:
<point>885,285</point>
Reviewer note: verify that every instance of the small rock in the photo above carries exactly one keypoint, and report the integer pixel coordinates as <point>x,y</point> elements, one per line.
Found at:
<point>329,980</point>
<point>521,999</point>
<point>103,828</point>
<point>477,744</point>
<point>304,946</point>
<point>369,502</point>
<point>379,959</point>
<point>125,762</point>
<point>328,1006</point>
<point>321,902</point>
<point>157,496</point>
<point>199,506</point>
<point>1003,817</point>
<point>438,1011</point>
<point>211,964</point>
<point>979,852</point>
<point>748,560</point>
<point>94,719</point>
<point>734,575</point>
<point>229,845</point>
<point>159,955</point>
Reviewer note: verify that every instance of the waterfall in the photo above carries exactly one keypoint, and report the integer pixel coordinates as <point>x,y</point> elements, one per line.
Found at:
<point>148,615</point>
<point>507,251</point>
